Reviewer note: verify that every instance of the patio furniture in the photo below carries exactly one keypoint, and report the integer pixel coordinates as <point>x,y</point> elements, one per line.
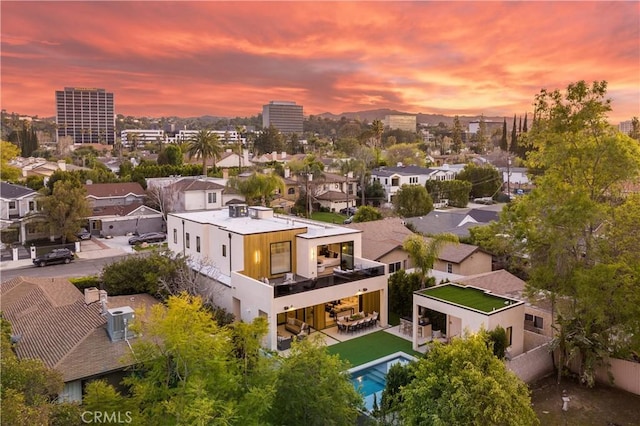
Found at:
<point>296,326</point>
<point>284,343</point>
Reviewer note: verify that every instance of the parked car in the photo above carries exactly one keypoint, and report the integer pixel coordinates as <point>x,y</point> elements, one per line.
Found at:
<point>349,211</point>
<point>149,237</point>
<point>63,255</point>
<point>83,234</point>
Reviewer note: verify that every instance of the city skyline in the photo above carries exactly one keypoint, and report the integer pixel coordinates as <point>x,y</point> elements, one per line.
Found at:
<point>229,59</point>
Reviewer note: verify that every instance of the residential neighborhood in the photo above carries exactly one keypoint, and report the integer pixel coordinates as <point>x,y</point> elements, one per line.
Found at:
<point>206,244</point>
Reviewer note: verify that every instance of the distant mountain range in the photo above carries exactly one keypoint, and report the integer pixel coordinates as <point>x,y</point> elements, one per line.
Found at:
<point>430,119</point>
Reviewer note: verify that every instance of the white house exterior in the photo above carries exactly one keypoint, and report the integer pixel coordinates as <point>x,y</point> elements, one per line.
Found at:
<point>471,309</point>
<point>392,178</point>
<point>16,202</point>
<point>278,267</point>
<point>225,136</point>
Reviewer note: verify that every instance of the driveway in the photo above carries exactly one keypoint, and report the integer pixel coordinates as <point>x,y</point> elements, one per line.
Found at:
<point>120,242</point>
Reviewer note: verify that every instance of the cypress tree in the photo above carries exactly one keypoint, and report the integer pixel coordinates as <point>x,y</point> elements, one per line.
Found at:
<point>504,145</point>
<point>514,137</point>
<point>524,127</point>
<point>520,126</point>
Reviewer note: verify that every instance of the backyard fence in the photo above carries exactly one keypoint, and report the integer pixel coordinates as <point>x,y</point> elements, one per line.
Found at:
<point>532,364</point>
<point>626,374</point>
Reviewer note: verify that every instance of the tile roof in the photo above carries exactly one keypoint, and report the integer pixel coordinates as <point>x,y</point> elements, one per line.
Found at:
<point>404,171</point>
<point>121,210</point>
<point>58,328</point>
<point>106,190</point>
<point>454,222</point>
<point>499,282</point>
<point>333,196</point>
<point>380,237</point>
<point>195,185</point>
<point>456,253</point>
<point>10,191</point>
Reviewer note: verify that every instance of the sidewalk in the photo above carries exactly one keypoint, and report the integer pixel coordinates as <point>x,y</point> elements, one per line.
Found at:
<point>89,249</point>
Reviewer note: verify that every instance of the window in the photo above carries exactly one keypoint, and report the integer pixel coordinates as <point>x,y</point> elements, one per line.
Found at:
<point>32,206</point>
<point>224,250</point>
<point>509,334</point>
<point>187,241</point>
<point>12,205</point>
<point>198,244</point>
<point>395,181</point>
<point>280,257</point>
<point>450,268</point>
<point>538,322</point>
<point>211,197</point>
<point>291,191</point>
<point>413,180</point>
<point>528,317</point>
<point>175,236</point>
<point>395,267</point>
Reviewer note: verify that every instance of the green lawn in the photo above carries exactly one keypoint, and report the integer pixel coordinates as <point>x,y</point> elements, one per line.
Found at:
<point>469,297</point>
<point>328,217</point>
<point>370,347</point>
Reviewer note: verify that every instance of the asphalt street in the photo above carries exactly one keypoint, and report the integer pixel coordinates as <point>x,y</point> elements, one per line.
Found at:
<point>77,268</point>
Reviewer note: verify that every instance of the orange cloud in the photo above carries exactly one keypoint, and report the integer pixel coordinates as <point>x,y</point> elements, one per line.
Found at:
<point>228,59</point>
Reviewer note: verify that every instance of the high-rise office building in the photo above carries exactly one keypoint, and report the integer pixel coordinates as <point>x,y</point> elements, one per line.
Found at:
<point>86,115</point>
<point>283,115</point>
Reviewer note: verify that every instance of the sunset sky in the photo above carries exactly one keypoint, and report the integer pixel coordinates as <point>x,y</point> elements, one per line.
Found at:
<point>228,59</point>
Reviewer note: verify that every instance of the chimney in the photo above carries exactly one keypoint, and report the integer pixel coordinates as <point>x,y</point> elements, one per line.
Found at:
<point>287,172</point>
<point>225,173</point>
<point>274,156</point>
<point>62,165</point>
<point>284,154</point>
<point>103,302</point>
<point>245,157</point>
<point>350,175</point>
<point>91,295</point>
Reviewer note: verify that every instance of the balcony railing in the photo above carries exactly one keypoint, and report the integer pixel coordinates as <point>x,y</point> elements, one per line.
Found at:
<point>301,284</point>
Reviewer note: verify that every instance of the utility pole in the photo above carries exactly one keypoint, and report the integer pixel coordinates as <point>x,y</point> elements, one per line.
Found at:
<point>509,175</point>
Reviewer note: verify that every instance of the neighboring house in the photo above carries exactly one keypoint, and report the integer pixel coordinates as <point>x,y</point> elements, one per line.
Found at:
<point>455,222</point>
<point>279,267</point>
<point>73,333</point>
<point>193,193</point>
<point>282,157</point>
<point>17,203</point>
<point>292,192</point>
<point>118,209</point>
<point>462,259</point>
<point>231,159</point>
<point>382,241</point>
<point>40,167</point>
<point>392,178</point>
<point>334,192</point>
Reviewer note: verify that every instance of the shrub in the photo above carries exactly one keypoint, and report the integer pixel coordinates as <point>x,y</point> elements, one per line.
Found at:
<point>139,274</point>
<point>86,282</point>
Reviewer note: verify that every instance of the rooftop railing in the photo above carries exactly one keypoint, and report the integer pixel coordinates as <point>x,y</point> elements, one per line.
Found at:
<point>302,284</point>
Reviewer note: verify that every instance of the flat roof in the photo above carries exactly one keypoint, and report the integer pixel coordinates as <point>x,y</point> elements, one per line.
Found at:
<point>246,225</point>
<point>468,297</point>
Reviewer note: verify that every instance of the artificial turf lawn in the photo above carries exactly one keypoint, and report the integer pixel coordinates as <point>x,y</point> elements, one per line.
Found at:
<point>469,297</point>
<point>370,347</point>
<point>328,217</point>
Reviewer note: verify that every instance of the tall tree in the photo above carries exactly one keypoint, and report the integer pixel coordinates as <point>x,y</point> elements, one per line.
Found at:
<point>513,146</point>
<point>424,251</point>
<point>525,129</point>
<point>8,151</point>
<point>504,144</point>
<point>482,137</point>
<point>258,188</point>
<point>485,180</point>
<point>377,127</point>
<point>575,196</point>
<point>269,140</point>
<point>367,214</point>
<point>412,200</point>
<point>204,144</point>
<point>456,135</point>
<point>463,383</point>
<point>635,129</point>
<point>312,388</point>
<point>66,208</point>
<point>406,153</point>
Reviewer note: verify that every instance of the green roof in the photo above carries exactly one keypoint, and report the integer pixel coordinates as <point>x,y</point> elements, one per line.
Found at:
<point>467,297</point>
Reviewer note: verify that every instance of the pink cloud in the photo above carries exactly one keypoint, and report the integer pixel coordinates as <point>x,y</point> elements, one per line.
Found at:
<point>191,58</point>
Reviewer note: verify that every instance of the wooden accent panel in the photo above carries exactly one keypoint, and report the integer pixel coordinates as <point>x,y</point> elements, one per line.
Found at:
<point>371,302</point>
<point>257,252</point>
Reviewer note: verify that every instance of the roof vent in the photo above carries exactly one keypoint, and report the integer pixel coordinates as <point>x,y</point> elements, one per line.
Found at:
<point>118,321</point>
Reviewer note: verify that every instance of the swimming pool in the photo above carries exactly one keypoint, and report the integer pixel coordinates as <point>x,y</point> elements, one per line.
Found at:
<point>370,378</point>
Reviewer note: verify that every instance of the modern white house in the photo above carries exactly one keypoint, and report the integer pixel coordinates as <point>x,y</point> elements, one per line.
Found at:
<point>392,178</point>
<point>225,136</point>
<point>260,264</point>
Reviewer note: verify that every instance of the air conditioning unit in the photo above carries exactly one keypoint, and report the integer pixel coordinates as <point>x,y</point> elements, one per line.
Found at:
<point>118,322</point>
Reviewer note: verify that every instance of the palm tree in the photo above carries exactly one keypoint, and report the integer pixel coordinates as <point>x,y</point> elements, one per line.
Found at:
<point>378,128</point>
<point>424,252</point>
<point>257,187</point>
<point>204,144</point>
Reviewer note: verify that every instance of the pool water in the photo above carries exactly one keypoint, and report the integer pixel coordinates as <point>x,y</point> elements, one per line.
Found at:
<point>370,378</point>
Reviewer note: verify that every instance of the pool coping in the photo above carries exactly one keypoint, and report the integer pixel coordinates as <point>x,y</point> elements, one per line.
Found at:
<point>385,358</point>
